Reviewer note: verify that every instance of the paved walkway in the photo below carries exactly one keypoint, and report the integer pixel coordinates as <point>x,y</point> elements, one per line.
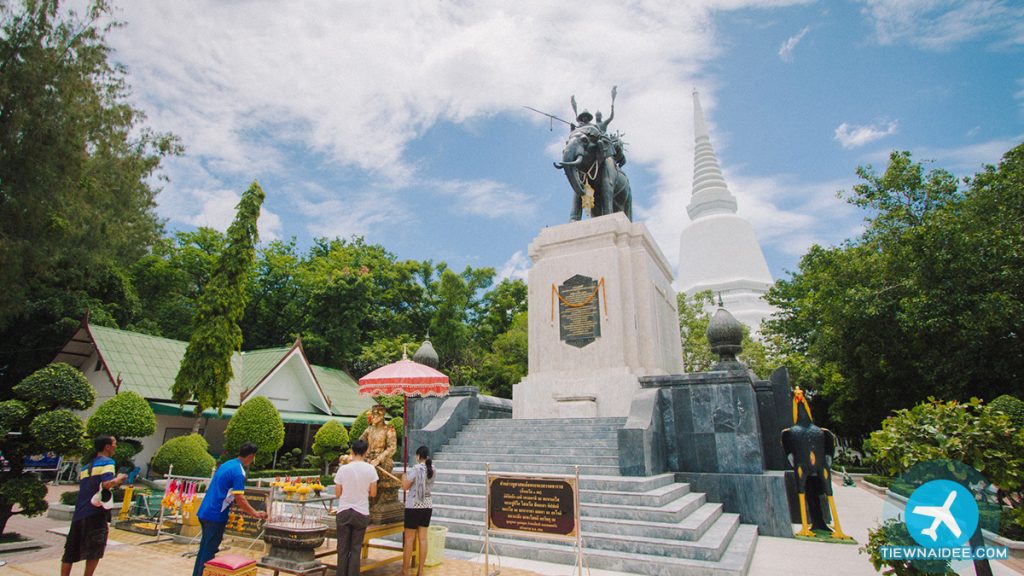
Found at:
<point>859,509</point>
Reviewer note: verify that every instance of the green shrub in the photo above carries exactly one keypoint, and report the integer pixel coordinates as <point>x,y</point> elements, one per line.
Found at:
<point>1011,524</point>
<point>59,431</point>
<point>126,415</point>
<point>972,433</point>
<point>894,533</point>
<point>330,442</point>
<point>58,384</point>
<point>883,481</point>
<point>256,421</point>
<point>1012,407</point>
<point>358,426</point>
<point>187,454</point>
<point>42,411</point>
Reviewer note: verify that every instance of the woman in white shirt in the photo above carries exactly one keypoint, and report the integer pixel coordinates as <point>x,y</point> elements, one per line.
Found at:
<point>418,485</point>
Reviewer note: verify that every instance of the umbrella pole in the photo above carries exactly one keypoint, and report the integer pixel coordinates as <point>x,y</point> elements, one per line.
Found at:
<point>405,435</point>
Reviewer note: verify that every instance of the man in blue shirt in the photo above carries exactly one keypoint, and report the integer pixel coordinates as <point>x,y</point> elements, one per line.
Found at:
<point>226,488</point>
<point>87,538</point>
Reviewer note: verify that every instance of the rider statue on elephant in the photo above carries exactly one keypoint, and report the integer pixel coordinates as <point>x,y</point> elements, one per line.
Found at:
<point>592,160</point>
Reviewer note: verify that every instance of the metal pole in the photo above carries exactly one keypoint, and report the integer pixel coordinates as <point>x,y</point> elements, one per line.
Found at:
<point>576,513</point>
<point>487,515</point>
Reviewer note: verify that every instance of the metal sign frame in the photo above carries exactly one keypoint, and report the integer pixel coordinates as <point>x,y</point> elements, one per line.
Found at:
<point>576,536</point>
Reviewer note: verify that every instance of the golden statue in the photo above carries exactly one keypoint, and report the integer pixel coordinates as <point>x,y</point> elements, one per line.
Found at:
<point>385,508</point>
<point>381,439</point>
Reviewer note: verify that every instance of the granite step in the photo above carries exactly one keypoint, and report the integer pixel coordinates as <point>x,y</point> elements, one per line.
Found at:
<point>476,475</point>
<point>656,497</point>
<point>672,512</point>
<point>505,444</point>
<point>552,468</point>
<point>492,457</point>
<point>711,545</point>
<point>535,422</point>
<point>735,561</point>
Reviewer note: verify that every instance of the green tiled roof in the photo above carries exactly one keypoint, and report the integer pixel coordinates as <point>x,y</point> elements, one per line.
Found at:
<point>148,364</point>
<point>257,363</point>
<point>342,390</point>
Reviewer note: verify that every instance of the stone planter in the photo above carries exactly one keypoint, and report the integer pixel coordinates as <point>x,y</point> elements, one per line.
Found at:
<point>64,512</point>
<point>292,546</point>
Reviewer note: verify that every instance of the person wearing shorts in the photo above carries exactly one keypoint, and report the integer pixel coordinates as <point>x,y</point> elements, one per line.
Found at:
<point>418,485</point>
<point>87,538</point>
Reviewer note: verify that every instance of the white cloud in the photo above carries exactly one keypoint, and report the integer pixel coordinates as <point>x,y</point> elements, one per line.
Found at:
<point>940,25</point>
<point>249,86</point>
<point>488,198</point>
<point>787,47</point>
<point>517,267</point>
<point>217,209</point>
<point>853,136</point>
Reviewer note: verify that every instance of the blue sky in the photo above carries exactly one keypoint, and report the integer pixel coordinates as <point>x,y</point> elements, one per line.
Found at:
<point>403,121</point>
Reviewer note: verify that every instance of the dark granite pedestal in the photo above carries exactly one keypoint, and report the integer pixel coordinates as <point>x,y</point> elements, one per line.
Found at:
<point>707,428</point>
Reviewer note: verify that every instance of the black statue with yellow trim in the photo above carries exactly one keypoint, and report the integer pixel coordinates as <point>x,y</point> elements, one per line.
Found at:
<point>810,450</point>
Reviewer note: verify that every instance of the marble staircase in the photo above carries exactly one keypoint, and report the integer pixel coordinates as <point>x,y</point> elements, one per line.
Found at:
<point>643,525</point>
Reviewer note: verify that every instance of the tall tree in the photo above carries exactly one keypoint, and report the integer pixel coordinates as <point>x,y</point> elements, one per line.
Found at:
<point>206,367</point>
<point>928,301</point>
<point>76,193</point>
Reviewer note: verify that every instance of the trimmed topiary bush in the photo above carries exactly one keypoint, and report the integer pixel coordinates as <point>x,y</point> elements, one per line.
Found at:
<point>58,384</point>
<point>256,421</point>
<point>358,426</point>
<point>330,442</point>
<point>41,411</point>
<point>187,454</point>
<point>126,415</point>
<point>1012,407</point>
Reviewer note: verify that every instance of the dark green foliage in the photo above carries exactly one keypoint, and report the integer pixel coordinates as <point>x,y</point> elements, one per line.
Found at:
<point>399,425</point>
<point>76,179</point>
<point>507,362</point>
<point>126,415</point>
<point>883,481</point>
<point>59,431</point>
<point>256,421</point>
<point>57,384</point>
<point>329,443</point>
<point>188,455</point>
<point>124,455</point>
<point>894,533</point>
<point>206,367</point>
<point>289,460</point>
<point>42,413</point>
<point>393,403</point>
<point>27,491</point>
<point>926,302</point>
<point>12,414</point>
<point>972,433</point>
<point>1012,407</point>
<point>358,426</point>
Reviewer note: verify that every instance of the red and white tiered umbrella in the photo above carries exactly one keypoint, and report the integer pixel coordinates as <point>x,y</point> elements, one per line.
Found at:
<point>407,378</point>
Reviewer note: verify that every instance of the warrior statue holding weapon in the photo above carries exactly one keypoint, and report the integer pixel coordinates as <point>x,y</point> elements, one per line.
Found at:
<point>592,161</point>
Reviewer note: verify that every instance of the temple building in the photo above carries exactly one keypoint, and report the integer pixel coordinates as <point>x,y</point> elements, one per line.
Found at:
<point>717,249</point>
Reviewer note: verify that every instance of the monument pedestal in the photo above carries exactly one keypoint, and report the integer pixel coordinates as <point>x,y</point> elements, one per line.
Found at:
<point>602,314</point>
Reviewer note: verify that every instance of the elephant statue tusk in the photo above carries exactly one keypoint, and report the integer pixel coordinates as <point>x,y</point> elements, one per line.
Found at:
<point>576,162</point>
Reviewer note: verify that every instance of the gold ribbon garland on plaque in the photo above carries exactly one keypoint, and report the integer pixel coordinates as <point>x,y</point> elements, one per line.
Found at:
<point>587,300</point>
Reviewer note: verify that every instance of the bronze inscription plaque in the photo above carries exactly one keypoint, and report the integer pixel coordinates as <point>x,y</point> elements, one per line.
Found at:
<point>243,525</point>
<point>579,318</point>
<point>534,505</point>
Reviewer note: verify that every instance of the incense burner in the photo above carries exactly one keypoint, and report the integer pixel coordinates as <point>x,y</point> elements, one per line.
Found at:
<point>292,546</point>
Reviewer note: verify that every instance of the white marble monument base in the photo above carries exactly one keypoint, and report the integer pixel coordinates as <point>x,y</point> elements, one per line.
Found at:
<point>636,309</point>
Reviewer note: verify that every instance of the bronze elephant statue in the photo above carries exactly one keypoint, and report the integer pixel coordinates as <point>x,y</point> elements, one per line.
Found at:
<point>591,160</point>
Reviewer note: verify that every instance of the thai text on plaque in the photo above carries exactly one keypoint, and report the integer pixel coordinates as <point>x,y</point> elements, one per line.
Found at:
<point>538,505</point>
<point>579,318</point>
